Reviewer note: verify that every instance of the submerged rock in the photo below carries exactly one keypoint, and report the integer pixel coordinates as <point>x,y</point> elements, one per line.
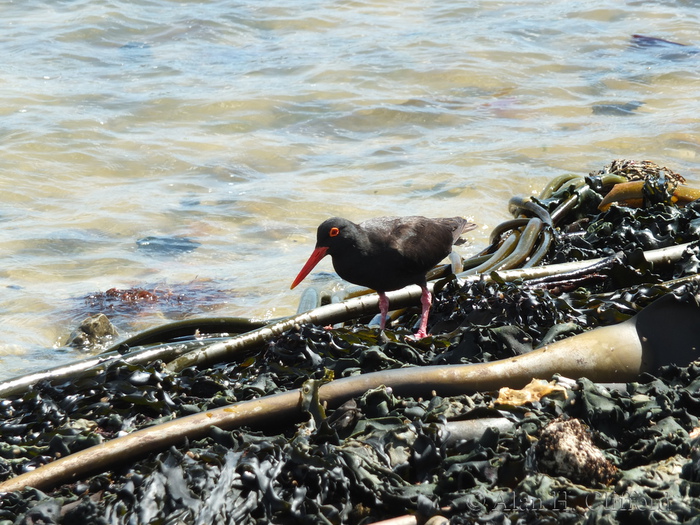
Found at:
<point>167,246</point>
<point>95,330</point>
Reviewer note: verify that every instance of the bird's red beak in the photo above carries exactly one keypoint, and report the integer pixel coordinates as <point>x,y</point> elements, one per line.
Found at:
<point>318,254</point>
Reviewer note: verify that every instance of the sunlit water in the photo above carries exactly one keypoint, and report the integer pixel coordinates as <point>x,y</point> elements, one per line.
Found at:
<point>241,126</point>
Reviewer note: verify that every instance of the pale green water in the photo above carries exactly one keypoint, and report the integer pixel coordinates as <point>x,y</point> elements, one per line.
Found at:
<point>241,126</point>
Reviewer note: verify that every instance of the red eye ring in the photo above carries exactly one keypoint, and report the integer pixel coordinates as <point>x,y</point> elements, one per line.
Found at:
<point>334,232</point>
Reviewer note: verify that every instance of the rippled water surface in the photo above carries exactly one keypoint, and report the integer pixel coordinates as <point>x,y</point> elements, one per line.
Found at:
<point>235,128</point>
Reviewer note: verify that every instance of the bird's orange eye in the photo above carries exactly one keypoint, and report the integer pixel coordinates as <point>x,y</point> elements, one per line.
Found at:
<point>334,232</point>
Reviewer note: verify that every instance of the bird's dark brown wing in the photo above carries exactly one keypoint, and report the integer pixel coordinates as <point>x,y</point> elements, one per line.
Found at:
<point>426,242</point>
<point>420,243</point>
<point>403,249</point>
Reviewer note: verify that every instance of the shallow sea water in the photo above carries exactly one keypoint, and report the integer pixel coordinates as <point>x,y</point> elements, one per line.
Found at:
<point>241,126</point>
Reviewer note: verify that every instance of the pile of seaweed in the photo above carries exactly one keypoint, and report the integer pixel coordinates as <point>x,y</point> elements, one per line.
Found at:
<point>379,456</point>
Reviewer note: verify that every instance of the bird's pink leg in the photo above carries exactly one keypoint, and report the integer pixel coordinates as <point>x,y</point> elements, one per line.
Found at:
<point>425,300</point>
<point>383,309</point>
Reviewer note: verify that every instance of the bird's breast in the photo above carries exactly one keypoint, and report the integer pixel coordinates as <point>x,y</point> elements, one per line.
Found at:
<point>381,272</point>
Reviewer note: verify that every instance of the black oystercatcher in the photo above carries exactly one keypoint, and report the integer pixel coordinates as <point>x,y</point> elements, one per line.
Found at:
<point>387,253</point>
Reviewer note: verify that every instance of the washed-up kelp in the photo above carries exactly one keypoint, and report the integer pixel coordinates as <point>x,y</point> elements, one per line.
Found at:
<point>380,455</point>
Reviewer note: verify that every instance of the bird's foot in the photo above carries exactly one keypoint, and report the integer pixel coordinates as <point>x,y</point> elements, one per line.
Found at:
<point>420,334</point>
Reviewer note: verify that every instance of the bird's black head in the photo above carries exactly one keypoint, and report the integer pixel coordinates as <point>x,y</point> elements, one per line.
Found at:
<point>336,233</point>
<point>334,237</point>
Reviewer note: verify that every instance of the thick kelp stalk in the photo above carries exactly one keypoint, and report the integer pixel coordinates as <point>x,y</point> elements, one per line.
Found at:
<point>349,425</point>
